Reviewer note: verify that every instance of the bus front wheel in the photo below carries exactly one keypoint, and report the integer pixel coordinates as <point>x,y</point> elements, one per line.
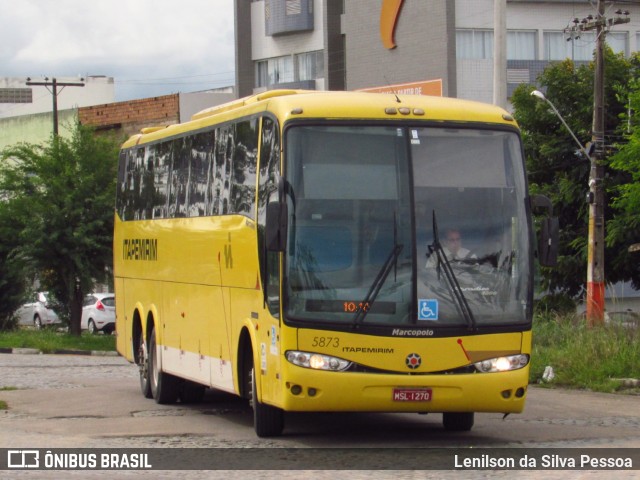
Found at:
<point>268,421</point>
<point>164,387</point>
<point>458,421</point>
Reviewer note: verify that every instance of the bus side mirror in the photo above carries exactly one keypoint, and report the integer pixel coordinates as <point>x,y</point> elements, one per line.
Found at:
<point>276,226</point>
<point>548,246</point>
<point>549,232</point>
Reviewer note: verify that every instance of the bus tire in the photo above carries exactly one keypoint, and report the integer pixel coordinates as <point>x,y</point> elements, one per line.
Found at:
<point>143,365</point>
<point>164,387</point>
<point>268,421</point>
<point>458,421</point>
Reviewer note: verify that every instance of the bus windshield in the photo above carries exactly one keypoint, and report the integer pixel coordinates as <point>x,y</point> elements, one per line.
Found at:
<point>406,226</point>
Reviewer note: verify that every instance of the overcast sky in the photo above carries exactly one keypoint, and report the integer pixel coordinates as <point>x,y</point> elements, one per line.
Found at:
<point>150,47</point>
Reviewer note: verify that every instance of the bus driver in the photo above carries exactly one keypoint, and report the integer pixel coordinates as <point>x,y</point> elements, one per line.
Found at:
<point>452,248</point>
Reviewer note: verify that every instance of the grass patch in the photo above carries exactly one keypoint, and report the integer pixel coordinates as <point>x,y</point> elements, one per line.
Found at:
<point>583,357</point>
<point>49,340</point>
<point>3,404</point>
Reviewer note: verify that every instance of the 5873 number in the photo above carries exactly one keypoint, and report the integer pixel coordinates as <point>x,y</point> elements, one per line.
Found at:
<point>325,342</point>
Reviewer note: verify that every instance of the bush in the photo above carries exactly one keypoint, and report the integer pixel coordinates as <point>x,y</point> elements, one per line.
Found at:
<point>555,304</point>
<point>8,322</point>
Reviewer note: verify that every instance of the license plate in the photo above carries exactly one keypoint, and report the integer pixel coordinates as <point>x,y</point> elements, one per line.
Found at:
<point>412,394</point>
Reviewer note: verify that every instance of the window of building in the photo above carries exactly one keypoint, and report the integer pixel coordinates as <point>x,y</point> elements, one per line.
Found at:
<point>521,45</point>
<point>16,95</point>
<point>618,42</point>
<point>557,47</point>
<point>274,71</point>
<point>279,70</point>
<point>293,7</point>
<point>262,74</point>
<point>310,65</point>
<point>474,44</point>
<point>289,68</point>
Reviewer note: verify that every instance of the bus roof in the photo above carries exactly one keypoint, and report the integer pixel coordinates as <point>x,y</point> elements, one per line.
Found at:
<point>288,104</point>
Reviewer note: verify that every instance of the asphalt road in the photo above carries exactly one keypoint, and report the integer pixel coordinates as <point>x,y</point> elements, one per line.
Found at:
<point>69,401</point>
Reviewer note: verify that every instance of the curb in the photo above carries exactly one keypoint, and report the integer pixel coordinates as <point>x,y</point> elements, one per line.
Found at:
<point>35,351</point>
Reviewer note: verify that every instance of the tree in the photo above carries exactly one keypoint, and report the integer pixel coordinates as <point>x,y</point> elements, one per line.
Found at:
<point>625,227</point>
<point>558,169</point>
<point>12,266</point>
<point>62,192</point>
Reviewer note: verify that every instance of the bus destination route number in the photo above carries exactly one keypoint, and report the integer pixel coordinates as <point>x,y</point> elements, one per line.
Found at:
<point>352,307</point>
<point>412,394</point>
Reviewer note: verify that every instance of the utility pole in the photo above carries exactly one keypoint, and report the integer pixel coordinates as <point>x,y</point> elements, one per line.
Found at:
<point>500,53</point>
<point>595,302</point>
<point>595,251</point>
<point>54,84</point>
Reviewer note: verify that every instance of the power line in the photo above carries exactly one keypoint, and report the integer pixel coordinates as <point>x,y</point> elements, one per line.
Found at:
<point>170,80</point>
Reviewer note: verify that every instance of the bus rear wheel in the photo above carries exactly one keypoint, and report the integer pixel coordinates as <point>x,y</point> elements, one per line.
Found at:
<point>268,421</point>
<point>164,387</point>
<point>458,421</point>
<point>143,365</point>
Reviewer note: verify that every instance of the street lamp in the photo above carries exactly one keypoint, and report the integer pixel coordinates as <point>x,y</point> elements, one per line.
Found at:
<point>595,301</point>
<point>540,95</point>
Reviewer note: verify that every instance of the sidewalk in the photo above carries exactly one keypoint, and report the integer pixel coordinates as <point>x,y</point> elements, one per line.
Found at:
<point>35,351</point>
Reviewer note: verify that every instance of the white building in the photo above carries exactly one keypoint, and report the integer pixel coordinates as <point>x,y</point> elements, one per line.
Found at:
<point>17,98</point>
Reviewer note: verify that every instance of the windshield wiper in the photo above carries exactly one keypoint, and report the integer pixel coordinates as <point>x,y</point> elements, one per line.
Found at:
<point>454,287</point>
<point>382,275</point>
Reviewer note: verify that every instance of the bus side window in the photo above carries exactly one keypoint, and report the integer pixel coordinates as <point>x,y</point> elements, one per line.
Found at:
<point>243,176</point>
<point>201,150</point>
<point>222,167</point>
<point>162,176</point>
<point>136,170</point>
<point>269,170</point>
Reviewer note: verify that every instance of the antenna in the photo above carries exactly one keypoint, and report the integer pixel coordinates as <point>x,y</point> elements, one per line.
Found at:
<point>392,89</point>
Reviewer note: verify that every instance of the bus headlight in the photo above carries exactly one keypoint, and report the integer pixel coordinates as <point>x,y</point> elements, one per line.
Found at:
<point>317,361</point>
<point>502,364</point>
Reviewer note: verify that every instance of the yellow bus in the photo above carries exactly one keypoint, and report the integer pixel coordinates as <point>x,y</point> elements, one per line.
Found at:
<point>298,249</point>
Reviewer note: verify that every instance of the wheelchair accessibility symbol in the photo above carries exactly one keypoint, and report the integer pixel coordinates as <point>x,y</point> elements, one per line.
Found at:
<point>427,309</point>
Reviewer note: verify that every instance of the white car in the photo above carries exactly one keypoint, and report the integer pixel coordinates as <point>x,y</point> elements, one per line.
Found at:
<point>38,312</point>
<point>99,313</point>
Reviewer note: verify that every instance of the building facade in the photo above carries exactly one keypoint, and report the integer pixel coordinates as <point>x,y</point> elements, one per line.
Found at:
<point>537,33</point>
<point>360,44</point>
<point>18,97</point>
<point>289,44</point>
<point>128,117</point>
<point>122,118</point>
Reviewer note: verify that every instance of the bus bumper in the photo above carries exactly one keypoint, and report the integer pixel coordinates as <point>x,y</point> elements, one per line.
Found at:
<point>310,390</point>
